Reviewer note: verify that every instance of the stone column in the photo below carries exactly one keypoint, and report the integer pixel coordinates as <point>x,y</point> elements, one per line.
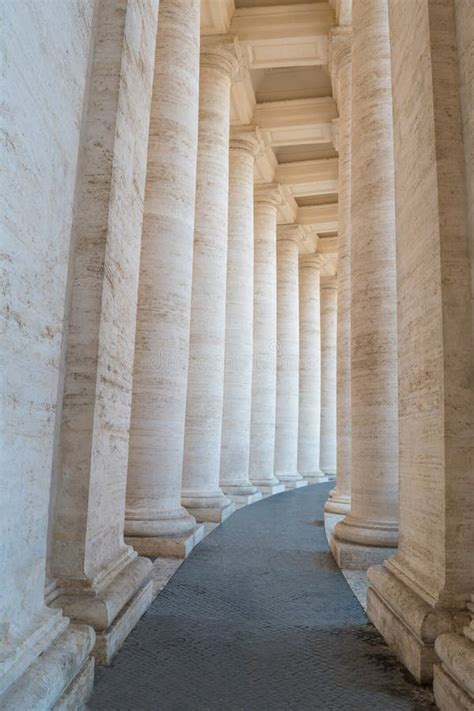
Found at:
<point>420,598</point>
<point>287,394</point>
<point>262,429</point>
<point>201,492</point>
<point>327,456</point>
<point>156,523</point>
<point>42,654</point>
<point>370,531</point>
<point>341,69</point>
<point>235,442</point>
<point>100,579</point>
<point>310,368</point>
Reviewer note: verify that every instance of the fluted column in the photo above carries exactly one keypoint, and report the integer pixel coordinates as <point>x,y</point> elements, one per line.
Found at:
<point>287,396</point>
<point>156,523</point>
<point>327,455</point>
<point>201,492</point>
<point>341,68</point>
<point>235,443</point>
<point>310,368</point>
<point>262,429</point>
<point>371,527</point>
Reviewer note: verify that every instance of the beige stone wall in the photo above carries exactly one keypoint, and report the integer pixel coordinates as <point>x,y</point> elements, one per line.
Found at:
<point>46,58</point>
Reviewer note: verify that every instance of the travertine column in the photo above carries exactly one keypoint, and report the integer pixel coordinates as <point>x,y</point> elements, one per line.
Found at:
<point>310,368</point>
<point>235,443</point>
<point>43,92</point>
<point>156,523</point>
<point>371,528</point>
<point>341,68</point>
<point>327,455</point>
<point>201,492</point>
<point>424,590</point>
<point>287,397</point>
<point>262,430</point>
<point>102,582</point>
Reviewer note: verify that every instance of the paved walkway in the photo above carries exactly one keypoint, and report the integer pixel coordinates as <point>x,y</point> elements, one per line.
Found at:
<point>258,618</point>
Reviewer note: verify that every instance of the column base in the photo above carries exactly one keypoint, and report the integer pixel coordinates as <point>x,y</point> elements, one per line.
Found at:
<point>211,507</point>
<point>407,622</point>
<point>453,680</point>
<point>144,523</point>
<point>112,610</point>
<point>315,477</point>
<point>353,556</point>
<point>270,489</point>
<point>338,503</point>
<point>212,515</point>
<point>60,678</point>
<point>245,499</point>
<point>109,642</point>
<point>167,546</point>
<point>297,484</point>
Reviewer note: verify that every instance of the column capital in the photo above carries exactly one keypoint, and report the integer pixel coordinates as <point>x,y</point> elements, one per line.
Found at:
<point>246,138</point>
<point>221,52</point>
<point>269,193</point>
<point>290,233</point>
<point>329,282</point>
<point>311,261</point>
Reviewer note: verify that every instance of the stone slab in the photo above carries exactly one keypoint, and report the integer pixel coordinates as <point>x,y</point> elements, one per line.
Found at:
<point>212,515</point>
<point>289,485</point>
<point>272,489</point>
<point>245,500</point>
<point>449,694</point>
<point>79,690</point>
<point>167,546</point>
<point>353,557</point>
<point>109,642</point>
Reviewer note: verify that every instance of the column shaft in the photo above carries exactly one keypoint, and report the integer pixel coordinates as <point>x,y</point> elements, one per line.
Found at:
<point>262,430</point>
<point>424,590</point>
<point>235,442</point>
<point>287,398</point>
<point>88,553</point>
<point>340,497</point>
<point>201,492</point>
<point>154,512</point>
<point>372,524</point>
<point>310,368</point>
<point>327,456</point>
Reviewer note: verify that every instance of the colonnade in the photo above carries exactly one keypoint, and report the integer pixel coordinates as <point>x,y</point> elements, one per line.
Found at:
<point>178,381</point>
<point>404,497</point>
<point>174,349</point>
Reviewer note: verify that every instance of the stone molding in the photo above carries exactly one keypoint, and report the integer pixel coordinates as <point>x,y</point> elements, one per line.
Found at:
<point>269,193</point>
<point>246,138</point>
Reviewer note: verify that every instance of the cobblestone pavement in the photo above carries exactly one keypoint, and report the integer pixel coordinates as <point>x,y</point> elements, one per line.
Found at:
<point>259,618</point>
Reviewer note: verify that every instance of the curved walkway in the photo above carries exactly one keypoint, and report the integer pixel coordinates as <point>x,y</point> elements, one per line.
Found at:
<point>258,617</point>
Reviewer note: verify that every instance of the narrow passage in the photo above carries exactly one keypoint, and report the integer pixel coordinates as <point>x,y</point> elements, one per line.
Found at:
<point>259,617</point>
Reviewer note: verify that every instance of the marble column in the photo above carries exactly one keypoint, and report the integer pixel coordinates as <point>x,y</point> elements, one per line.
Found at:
<point>235,441</point>
<point>156,523</point>
<point>99,578</point>
<point>310,368</point>
<point>202,495</point>
<point>419,599</point>
<point>287,392</point>
<point>327,455</point>
<point>339,499</point>
<point>267,197</point>
<point>369,533</point>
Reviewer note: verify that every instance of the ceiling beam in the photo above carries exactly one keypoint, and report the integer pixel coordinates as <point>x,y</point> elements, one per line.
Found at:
<point>309,177</point>
<point>296,121</point>
<point>284,35</point>
<point>324,218</point>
